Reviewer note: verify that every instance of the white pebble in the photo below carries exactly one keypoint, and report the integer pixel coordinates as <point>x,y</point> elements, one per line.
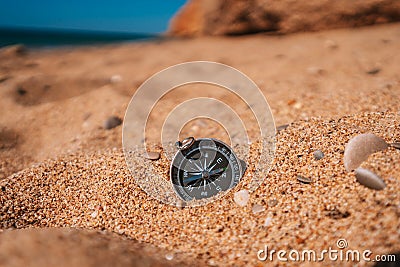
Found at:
<point>116,78</point>
<point>94,214</point>
<point>268,221</point>
<point>369,179</point>
<point>241,197</point>
<point>169,256</point>
<point>257,208</point>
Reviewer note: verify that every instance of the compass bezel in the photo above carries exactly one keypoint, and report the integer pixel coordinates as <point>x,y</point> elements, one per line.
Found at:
<point>180,157</point>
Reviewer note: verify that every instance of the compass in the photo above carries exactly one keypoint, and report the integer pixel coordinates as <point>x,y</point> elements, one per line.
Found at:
<point>203,168</point>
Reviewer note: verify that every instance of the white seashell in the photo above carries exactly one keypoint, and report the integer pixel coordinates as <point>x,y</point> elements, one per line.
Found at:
<point>360,147</point>
<point>369,179</point>
<point>241,197</point>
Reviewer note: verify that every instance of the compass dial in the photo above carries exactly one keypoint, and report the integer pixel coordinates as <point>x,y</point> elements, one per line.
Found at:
<point>205,169</point>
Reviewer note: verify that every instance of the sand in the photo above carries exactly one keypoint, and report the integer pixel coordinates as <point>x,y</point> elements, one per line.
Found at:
<point>60,168</point>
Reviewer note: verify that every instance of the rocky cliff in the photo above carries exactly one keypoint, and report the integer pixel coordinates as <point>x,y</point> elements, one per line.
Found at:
<point>235,17</point>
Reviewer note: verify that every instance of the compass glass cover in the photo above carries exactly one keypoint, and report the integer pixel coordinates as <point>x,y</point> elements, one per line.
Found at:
<point>205,169</point>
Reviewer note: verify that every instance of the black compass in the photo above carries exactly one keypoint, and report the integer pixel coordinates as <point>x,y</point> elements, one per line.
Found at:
<point>203,168</point>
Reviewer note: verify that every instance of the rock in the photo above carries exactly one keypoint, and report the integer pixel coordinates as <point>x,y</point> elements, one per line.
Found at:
<point>360,147</point>
<point>241,197</point>
<point>232,17</point>
<point>257,208</point>
<point>369,179</point>
<point>112,122</point>
<point>318,154</point>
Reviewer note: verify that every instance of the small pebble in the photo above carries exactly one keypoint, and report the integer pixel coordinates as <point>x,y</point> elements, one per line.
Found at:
<point>116,78</point>
<point>315,70</point>
<point>169,256</point>
<point>331,44</point>
<point>318,154</point>
<point>369,179</point>
<point>241,197</point>
<point>272,202</point>
<point>268,221</point>
<point>395,145</point>
<point>282,127</point>
<point>21,91</point>
<point>360,147</point>
<point>373,71</point>
<point>303,179</point>
<point>180,204</point>
<point>298,105</point>
<point>94,214</point>
<point>152,155</point>
<point>112,122</point>
<point>257,208</point>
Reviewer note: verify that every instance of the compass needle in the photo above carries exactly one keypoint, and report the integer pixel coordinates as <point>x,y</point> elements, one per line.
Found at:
<point>198,167</point>
<point>212,167</point>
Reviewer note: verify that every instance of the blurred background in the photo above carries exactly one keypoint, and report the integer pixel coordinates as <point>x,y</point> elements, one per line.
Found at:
<point>50,23</point>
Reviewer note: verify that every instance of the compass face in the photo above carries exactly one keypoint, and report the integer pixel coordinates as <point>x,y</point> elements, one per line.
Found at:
<point>205,169</point>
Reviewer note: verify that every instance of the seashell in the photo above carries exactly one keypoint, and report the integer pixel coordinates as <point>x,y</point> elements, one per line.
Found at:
<point>151,155</point>
<point>360,147</point>
<point>303,179</point>
<point>369,179</point>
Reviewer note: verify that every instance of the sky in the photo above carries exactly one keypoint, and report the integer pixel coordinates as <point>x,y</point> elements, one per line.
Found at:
<point>137,16</point>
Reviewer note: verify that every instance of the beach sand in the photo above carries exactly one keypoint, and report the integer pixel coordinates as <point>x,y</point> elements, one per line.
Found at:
<point>60,168</point>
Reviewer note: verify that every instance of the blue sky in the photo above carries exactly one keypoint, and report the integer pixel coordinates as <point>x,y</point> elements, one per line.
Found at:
<point>143,16</point>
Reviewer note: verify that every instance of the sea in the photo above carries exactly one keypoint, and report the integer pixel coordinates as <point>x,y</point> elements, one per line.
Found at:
<point>49,38</point>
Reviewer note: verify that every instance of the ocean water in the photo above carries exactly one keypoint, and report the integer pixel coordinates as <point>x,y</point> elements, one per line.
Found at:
<point>44,38</point>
